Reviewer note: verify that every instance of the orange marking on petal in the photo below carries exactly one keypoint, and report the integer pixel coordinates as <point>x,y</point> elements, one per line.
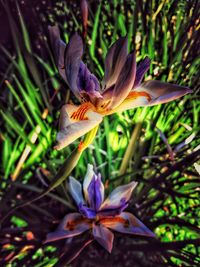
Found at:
<point>135,95</point>
<point>114,220</point>
<point>80,113</point>
<point>72,116</point>
<point>71,225</point>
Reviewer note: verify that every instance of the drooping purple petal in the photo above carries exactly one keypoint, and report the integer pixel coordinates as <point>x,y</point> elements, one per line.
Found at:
<point>87,83</point>
<point>161,92</point>
<point>73,224</point>
<point>142,68</point>
<point>75,188</point>
<point>124,82</point>
<point>127,223</point>
<point>103,236</point>
<point>58,47</point>
<point>114,61</point>
<point>87,212</point>
<point>118,196</point>
<point>73,54</point>
<point>95,192</point>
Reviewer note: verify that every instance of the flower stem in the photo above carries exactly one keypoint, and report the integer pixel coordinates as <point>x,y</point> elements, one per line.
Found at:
<point>130,149</point>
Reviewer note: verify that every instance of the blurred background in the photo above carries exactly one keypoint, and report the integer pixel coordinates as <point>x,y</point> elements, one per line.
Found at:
<point>157,146</point>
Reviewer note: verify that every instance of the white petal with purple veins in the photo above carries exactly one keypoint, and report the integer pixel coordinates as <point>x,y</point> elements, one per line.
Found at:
<point>119,196</point>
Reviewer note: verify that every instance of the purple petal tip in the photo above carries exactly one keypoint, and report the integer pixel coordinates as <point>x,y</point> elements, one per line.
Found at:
<point>189,91</point>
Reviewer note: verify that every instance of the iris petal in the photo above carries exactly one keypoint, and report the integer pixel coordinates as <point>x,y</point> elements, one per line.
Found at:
<point>86,80</point>
<point>124,82</point>
<point>118,196</point>
<point>95,192</point>
<point>73,127</point>
<point>99,192</point>
<point>103,236</point>
<point>87,180</point>
<point>162,92</point>
<point>142,68</point>
<point>73,224</point>
<point>133,100</point>
<point>73,54</point>
<point>58,47</point>
<point>152,93</point>
<point>75,188</point>
<point>113,210</point>
<point>127,223</point>
<point>92,193</point>
<point>114,61</point>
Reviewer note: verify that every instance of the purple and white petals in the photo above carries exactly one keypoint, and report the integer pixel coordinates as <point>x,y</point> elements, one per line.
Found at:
<point>124,82</point>
<point>161,92</point>
<point>75,188</point>
<point>87,180</point>
<point>58,47</point>
<point>73,54</point>
<point>73,224</point>
<point>97,216</point>
<point>114,62</point>
<point>127,223</point>
<point>119,196</point>
<point>103,236</point>
<point>142,68</point>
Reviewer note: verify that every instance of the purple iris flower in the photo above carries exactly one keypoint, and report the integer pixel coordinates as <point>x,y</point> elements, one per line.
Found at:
<point>120,90</point>
<point>97,214</point>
